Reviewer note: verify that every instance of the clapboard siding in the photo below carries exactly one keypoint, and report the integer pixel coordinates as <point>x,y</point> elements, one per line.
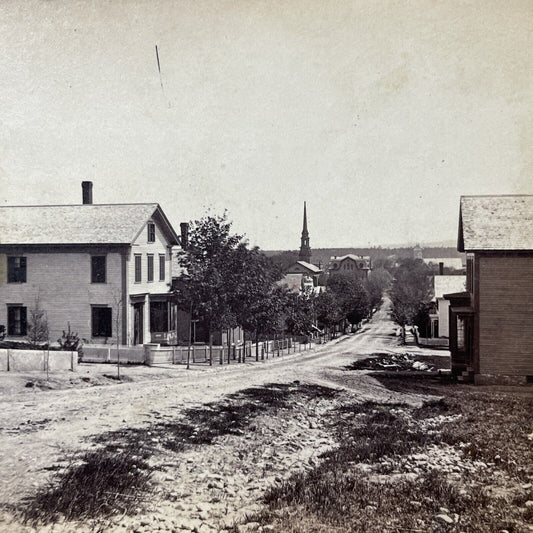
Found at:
<point>506,314</point>
<point>142,247</point>
<point>61,281</point>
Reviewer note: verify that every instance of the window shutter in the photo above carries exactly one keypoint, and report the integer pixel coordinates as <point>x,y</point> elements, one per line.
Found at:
<point>23,272</point>
<point>10,320</point>
<point>23,321</point>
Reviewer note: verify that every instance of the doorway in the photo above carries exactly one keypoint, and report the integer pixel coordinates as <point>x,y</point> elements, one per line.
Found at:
<point>138,323</point>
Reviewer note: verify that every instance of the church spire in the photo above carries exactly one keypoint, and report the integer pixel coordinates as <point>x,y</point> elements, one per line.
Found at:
<point>305,250</point>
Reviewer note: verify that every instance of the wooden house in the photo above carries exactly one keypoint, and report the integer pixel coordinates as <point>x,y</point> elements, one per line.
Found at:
<point>357,266</point>
<point>104,269</point>
<point>492,321</point>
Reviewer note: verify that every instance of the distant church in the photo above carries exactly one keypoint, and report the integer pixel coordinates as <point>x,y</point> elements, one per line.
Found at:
<point>303,274</point>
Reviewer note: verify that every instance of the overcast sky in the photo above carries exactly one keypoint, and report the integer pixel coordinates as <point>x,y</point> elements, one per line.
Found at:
<point>379,114</point>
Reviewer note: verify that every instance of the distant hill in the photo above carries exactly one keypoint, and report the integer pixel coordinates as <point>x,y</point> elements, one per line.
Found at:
<point>322,255</point>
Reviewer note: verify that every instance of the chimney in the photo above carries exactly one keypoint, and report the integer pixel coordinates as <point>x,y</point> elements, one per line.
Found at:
<point>184,234</point>
<point>87,192</point>
<point>441,268</point>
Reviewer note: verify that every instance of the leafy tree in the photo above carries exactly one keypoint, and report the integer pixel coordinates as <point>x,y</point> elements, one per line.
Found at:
<point>299,312</point>
<point>351,296</point>
<point>257,302</point>
<point>411,291</point>
<point>379,281</point>
<point>208,276</point>
<point>328,310</point>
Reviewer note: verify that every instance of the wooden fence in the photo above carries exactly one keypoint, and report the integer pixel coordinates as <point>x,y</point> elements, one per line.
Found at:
<point>154,354</point>
<point>199,354</point>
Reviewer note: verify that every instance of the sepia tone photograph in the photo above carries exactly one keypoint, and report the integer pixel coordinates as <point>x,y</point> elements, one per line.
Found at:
<point>266,266</point>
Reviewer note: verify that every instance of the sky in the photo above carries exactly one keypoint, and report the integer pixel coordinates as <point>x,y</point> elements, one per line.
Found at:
<point>379,115</point>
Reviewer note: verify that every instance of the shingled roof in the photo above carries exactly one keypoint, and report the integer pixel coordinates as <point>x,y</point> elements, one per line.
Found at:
<point>79,224</point>
<point>495,223</point>
<point>448,284</point>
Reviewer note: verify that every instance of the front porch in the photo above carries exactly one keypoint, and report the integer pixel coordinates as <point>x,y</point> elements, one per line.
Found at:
<point>153,319</point>
<point>461,324</point>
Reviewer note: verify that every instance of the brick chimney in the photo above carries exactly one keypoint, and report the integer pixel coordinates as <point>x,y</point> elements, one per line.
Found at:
<point>87,192</point>
<point>184,234</point>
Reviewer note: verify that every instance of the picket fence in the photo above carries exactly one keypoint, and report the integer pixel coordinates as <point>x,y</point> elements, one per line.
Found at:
<point>155,354</point>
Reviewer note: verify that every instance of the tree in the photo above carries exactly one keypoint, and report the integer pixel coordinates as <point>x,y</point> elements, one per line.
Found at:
<point>379,281</point>
<point>207,276</point>
<point>352,297</point>
<point>37,330</point>
<point>328,311</point>
<point>256,300</point>
<point>299,311</point>
<point>410,291</point>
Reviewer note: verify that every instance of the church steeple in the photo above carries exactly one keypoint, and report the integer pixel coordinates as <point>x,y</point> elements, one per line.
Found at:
<point>305,250</point>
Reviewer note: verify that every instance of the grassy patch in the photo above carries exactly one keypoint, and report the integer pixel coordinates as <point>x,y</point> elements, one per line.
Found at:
<point>100,483</point>
<point>116,477</point>
<point>341,494</point>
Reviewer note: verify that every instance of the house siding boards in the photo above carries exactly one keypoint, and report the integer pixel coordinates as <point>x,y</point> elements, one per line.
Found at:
<point>142,247</point>
<point>59,272</point>
<point>61,280</point>
<point>497,234</point>
<point>142,290</point>
<point>505,311</point>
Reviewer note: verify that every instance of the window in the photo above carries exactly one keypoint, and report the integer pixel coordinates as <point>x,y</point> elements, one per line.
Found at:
<point>151,232</point>
<point>16,269</point>
<point>150,267</point>
<point>162,265</point>
<point>16,320</point>
<point>98,269</point>
<point>158,316</point>
<point>138,268</point>
<point>101,318</point>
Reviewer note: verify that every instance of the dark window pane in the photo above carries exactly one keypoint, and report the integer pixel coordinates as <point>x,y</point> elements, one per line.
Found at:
<point>16,320</point>
<point>98,268</point>
<point>138,268</point>
<point>158,316</point>
<point>150,268</point>
<point>161,268</point>
<point>151,232</point>
<point>16,269</point>
<point>101,318</point>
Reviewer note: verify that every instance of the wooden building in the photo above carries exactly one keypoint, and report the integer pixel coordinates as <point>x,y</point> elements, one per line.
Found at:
<point>357,266</point>
<point>491,323</point>
<point>104,269</point>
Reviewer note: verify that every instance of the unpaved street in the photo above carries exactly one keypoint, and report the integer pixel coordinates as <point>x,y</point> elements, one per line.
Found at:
<point>40,429</point>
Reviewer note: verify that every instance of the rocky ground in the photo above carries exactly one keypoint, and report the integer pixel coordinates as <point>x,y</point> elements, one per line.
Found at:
<point>223,448</point>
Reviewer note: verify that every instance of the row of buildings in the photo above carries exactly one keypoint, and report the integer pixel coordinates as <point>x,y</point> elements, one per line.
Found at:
<point>304,275</point>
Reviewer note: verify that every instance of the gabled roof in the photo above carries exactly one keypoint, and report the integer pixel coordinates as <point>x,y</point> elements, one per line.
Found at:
<point>353,257</point>
<point>495,223</point>
<point>312,268</point>
<point>448,284</point>
<point>80,224</point>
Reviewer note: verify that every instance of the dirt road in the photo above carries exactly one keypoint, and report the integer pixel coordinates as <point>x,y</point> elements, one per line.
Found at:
<point>38,429</point>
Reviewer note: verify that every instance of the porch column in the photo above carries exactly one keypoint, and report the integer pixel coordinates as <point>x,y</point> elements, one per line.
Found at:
<point>147,337</point>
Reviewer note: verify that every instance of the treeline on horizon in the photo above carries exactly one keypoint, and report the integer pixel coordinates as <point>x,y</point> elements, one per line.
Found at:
<point>377,254</point>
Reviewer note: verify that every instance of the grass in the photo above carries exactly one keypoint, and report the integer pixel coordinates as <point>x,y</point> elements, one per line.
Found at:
<point>339,496</point>
<point>99,483</point>
<point>115,477</point>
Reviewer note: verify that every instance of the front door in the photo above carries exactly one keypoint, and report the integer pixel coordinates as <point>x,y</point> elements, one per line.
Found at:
<point>138,323</point>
